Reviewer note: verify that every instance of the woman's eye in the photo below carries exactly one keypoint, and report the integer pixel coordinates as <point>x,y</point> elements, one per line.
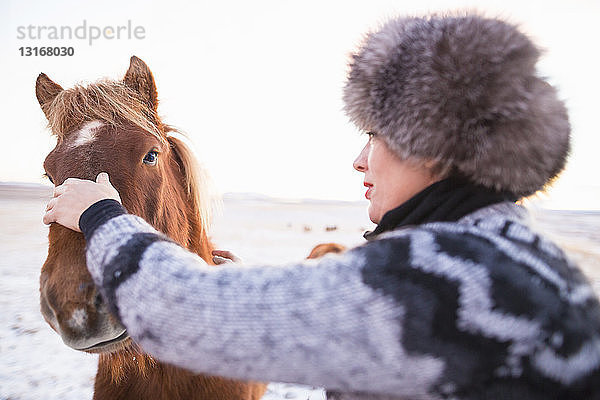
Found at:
<point>371,136</point>
<point>151,158</point>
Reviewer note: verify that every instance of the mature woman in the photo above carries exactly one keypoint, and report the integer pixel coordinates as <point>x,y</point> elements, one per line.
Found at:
<point>452,296</point>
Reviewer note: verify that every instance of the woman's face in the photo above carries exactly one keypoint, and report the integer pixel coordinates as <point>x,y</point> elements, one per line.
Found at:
<point>390,181</point>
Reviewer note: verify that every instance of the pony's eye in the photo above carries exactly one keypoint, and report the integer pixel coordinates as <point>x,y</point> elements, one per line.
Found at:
<point>151,158</point>
<point>49,178</point>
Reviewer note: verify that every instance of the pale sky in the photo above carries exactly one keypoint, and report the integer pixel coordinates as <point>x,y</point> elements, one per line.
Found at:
<point>257,84</point>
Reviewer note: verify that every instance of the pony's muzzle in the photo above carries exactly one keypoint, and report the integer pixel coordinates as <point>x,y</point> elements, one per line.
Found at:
<point>83,326</point>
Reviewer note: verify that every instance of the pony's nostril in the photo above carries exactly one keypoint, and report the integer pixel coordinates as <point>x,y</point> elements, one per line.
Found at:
<point>98,300</point>
<point>48,313</point>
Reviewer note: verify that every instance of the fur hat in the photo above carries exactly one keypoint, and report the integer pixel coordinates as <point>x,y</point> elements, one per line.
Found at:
<point>461,91</point>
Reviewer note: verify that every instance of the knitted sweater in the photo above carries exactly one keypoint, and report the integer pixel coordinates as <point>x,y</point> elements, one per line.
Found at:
<point>482,308</point>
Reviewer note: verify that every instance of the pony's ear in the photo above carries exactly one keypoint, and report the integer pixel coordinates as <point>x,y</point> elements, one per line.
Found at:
<point>45,91</point>
<point>140,79</point>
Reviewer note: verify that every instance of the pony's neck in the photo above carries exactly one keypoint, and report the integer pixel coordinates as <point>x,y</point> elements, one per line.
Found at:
<point>143,378</point>
<point>193,201</point>
<point>183,224</point>
<point>200,243</point>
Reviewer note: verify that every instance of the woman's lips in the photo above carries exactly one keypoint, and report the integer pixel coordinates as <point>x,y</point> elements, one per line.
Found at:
<point>369,187</point>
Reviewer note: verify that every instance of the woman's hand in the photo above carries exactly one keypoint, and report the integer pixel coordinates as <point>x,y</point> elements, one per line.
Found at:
<point>225,257</point>
<point>74,196</point>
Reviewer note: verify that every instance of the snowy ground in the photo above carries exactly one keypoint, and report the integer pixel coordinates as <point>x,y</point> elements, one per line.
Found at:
<point>35,364</point>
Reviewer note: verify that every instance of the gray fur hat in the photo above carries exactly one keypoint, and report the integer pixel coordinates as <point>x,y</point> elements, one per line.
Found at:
<point>462,91</point>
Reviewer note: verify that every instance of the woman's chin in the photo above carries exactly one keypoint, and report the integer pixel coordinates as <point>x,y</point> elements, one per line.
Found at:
<point>373,215</point>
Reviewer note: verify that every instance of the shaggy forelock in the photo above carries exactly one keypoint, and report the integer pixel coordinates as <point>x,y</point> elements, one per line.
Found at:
<point>111,102</point>
<point>462,91</point>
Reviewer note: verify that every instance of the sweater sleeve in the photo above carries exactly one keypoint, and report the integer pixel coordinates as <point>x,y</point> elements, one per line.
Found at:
<point>415,314</point>
<point>315,323</point>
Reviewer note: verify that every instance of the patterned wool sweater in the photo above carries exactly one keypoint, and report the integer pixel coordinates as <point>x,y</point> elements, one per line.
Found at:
<point>482,308</point>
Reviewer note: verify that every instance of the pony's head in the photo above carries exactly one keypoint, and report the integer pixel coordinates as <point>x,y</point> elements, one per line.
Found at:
<point>113,127</point>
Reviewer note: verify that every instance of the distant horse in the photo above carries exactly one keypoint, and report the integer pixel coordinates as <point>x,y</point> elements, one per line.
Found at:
<point>113,126</point>
<point>325,248</point>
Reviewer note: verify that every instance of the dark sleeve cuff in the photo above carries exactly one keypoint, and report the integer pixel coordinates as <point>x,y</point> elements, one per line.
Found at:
<point>97,214</point>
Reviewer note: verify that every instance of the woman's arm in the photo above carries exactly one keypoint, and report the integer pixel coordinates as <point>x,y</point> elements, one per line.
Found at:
<point>318,324</point>
<point>446,309</point>
<point>312,323</point>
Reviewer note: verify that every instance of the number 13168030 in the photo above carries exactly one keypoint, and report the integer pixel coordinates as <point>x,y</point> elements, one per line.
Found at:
<point>46,51</point>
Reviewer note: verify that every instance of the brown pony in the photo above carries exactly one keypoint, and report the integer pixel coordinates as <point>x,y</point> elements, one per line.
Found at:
<point>112,126</point>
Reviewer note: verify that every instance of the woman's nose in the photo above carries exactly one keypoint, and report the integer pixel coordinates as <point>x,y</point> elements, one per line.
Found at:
<point>360,163</point>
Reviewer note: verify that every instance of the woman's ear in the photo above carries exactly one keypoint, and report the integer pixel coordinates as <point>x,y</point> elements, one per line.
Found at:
<point>430,164</point>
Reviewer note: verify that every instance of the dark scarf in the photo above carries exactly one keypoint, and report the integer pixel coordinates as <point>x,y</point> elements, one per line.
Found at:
<point>444,201</point>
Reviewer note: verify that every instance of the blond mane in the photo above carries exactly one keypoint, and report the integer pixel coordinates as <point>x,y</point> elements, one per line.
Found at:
<point>199,185</point>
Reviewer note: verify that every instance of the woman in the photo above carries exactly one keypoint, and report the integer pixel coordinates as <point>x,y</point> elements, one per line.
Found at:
<point>453,296</point>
